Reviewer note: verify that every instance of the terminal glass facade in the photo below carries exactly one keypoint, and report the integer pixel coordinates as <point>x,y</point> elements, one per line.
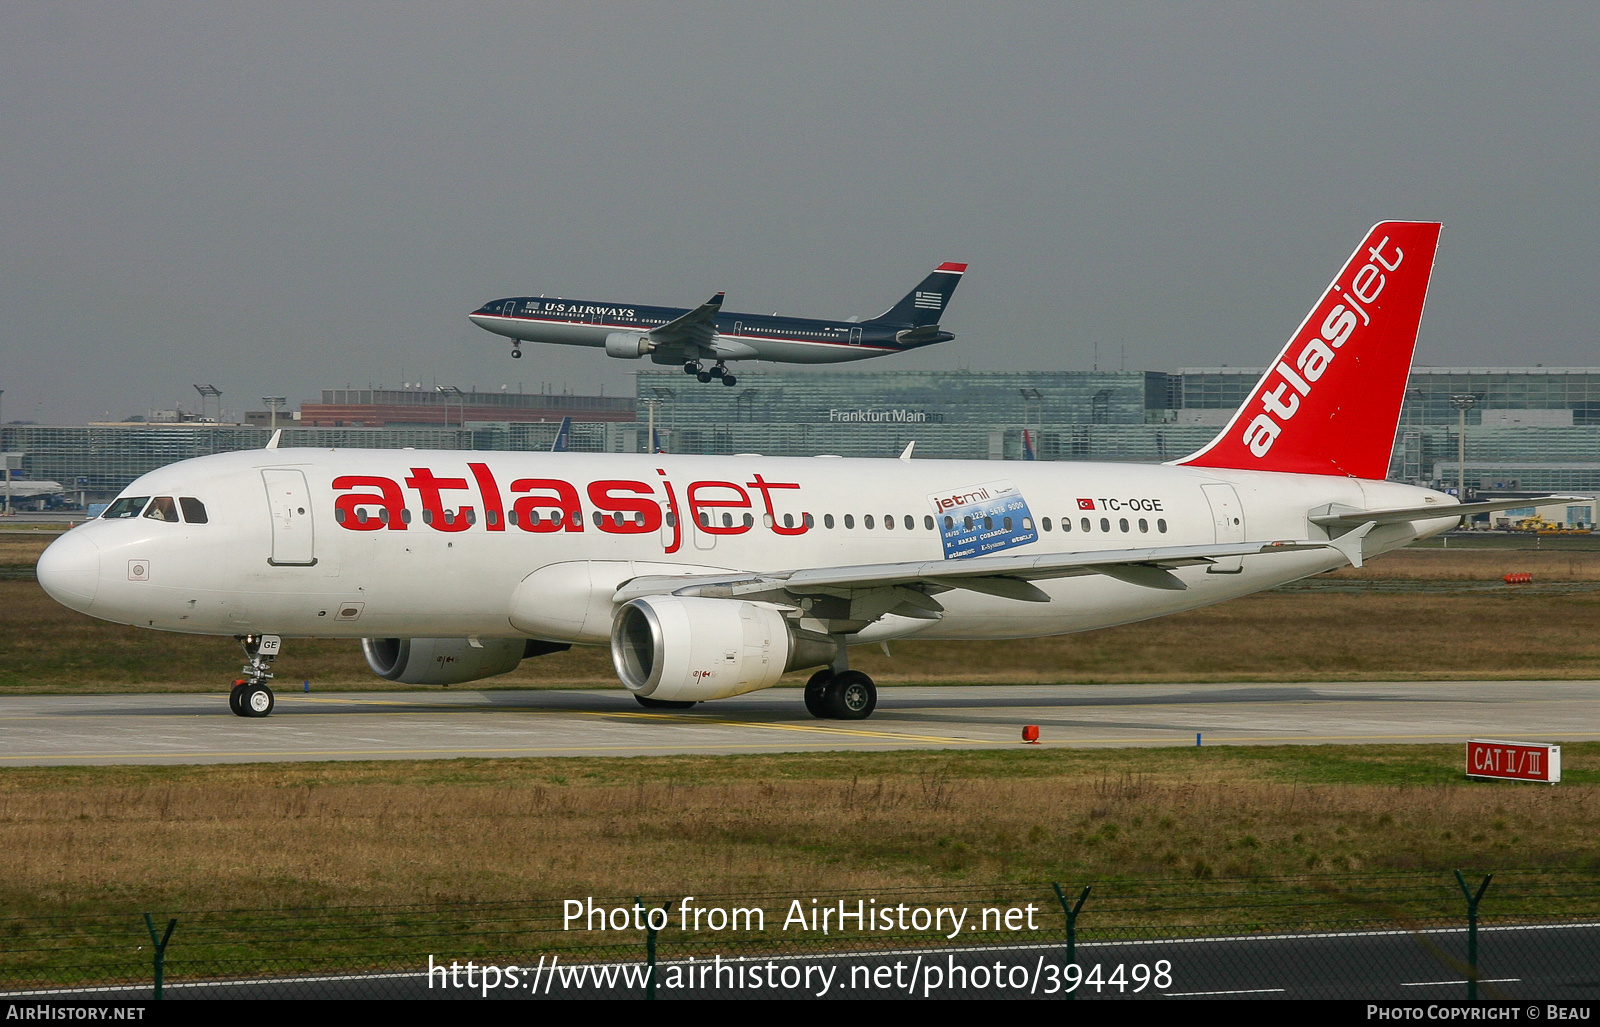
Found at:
<point>1529,428</point>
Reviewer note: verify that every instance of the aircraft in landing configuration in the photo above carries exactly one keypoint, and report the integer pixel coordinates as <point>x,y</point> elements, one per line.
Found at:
<point>670,335</point>
<point>712,576</point>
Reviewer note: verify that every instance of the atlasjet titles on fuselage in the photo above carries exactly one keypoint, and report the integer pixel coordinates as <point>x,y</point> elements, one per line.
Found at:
<point>672,335</point>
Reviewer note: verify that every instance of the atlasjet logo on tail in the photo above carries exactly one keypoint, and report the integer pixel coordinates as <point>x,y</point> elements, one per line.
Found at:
<point>1317,355</point>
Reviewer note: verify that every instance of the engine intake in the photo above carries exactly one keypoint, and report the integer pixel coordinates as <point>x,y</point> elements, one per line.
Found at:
<point>685,648</point>
<point>449,661</point>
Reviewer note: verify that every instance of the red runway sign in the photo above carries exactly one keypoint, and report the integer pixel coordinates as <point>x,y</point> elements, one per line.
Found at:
<point>1514,761</point>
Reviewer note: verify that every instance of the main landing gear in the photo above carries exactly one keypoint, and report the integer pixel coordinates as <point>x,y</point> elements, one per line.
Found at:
<point>847,695</point>
<point>250,696</point>
<point>719,370</point>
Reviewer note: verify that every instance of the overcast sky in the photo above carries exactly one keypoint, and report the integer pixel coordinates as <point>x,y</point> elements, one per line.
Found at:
<point>279,198</point>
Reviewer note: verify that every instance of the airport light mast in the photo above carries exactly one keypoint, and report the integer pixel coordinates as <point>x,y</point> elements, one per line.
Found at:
<point>208,392</point>
<point>274,403</point>
<point>1462,401</point>
<point>452,394</point>
<point>662,395</point>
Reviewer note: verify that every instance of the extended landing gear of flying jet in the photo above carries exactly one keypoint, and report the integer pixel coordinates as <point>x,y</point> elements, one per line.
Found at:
<point>662,704</point>
<point>704,374</point>
<point>847,695</point>
<point>250,696</point>
<point>516,352</point>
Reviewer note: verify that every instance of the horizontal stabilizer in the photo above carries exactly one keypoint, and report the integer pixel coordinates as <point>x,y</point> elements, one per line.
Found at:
<point>1345,516</point>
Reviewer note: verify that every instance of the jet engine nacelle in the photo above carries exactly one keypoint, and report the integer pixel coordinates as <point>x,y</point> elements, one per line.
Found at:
<point>628,345</point>
<point>448,661</point>
<point>689,649</point>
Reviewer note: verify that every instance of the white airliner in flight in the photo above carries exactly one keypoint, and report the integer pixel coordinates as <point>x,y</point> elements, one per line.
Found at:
<point>711,576</point>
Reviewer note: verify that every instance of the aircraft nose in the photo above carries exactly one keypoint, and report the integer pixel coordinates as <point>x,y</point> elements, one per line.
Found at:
<point>484,319</point>
<point>70,570</point>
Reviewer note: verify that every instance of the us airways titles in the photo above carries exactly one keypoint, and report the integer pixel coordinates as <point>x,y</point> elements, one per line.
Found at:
<point>1317,355</point>
<point>542,505</point>
<point>571,309</point>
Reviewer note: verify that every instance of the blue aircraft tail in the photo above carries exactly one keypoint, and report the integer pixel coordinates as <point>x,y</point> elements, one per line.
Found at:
<point>925,304</point>
<point>563,436</point>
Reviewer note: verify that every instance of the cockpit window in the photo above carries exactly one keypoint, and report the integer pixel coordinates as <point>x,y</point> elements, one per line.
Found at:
<point>162,508</point>
<point>194,511</point>
<point>127,506</point>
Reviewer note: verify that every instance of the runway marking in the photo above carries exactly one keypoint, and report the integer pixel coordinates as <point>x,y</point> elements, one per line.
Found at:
<point>1481,980</point>
<point>827,729</point>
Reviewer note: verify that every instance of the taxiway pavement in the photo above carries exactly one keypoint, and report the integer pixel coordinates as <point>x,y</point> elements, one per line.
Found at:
<point>189,728</point>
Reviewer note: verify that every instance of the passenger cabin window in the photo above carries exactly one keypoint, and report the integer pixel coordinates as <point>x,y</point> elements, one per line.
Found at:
<point>162,508</point>
<point>194,511</point>
<point>127,506</point>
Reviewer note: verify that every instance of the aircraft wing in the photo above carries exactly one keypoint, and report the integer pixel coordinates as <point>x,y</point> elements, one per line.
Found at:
<point>913,584</point>
<point>694,329</point>
<point>1339,516</point>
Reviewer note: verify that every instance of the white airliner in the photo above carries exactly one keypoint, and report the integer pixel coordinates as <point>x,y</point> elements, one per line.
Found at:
<point>712,576</point>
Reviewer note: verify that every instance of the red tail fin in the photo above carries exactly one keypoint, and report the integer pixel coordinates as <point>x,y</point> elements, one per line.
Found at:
<point>1331,401</point>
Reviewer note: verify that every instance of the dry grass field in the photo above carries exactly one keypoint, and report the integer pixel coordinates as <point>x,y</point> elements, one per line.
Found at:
<point>310,835</point>
<point>1312,634</point>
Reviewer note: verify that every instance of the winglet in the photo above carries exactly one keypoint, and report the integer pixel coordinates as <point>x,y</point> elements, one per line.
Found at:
<point>905,454</point>
<point>716,301</point>
<point>277,435</point>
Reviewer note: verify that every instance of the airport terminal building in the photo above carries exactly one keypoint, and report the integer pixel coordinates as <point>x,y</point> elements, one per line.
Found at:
<point>1535,428</point>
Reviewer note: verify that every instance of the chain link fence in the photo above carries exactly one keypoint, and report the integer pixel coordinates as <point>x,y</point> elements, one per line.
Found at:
<point>1424,935</point>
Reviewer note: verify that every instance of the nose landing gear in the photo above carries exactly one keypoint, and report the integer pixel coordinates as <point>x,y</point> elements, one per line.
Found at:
<point>516,351</point>
<point>250,696</point>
